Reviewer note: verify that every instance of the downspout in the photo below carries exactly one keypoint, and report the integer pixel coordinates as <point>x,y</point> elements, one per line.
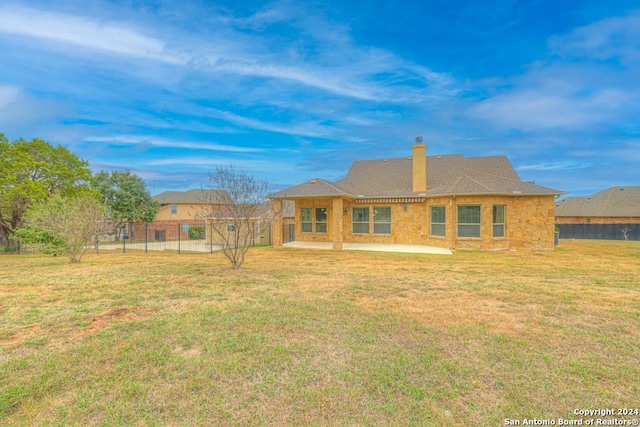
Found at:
<point>454,221</point>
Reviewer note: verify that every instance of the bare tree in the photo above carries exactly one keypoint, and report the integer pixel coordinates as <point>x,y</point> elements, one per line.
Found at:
<point>231,211</point>
<point>625,232</point>
<point>67,225</point>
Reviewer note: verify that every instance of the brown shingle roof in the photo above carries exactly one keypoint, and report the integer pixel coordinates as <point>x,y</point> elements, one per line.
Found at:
<point>613,202</point>
<point>315,187</point>
<point>446,175</point>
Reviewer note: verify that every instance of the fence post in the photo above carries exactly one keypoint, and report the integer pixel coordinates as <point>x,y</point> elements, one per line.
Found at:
<point>146,236</point>
<point>178,238</point>
<point>210,237</point>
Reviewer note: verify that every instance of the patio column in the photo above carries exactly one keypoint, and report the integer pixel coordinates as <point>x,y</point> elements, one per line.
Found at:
<point>276,229</point>
<point>336,223</point>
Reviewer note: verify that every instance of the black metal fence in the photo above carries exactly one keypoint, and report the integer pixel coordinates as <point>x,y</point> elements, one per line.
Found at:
<point>624,231</point>
<point>178,237</point>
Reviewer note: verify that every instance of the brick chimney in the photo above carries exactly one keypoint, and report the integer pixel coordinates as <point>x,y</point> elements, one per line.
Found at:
<point>419,166</point>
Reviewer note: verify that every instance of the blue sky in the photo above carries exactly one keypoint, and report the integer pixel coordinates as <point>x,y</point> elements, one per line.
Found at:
<point>290,91</point>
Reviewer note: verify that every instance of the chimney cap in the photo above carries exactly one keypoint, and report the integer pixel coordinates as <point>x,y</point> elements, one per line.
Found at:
<point>418,139</point>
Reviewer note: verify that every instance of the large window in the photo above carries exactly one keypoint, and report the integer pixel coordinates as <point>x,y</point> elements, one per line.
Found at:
<point>438,221</point>
<point>306,220</point>
<point>498,220</point>
<point>321,220</point>
<point>469,221</point>
<point>361,220</point>
<point>381,220</point>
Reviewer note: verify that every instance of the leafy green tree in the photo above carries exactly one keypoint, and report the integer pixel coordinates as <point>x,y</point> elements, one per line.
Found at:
<point>66,225</point>
<point>30,171</point>
<point>126,196</point>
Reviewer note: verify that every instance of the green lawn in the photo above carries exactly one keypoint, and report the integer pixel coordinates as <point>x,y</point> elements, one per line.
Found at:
<point>300,337</point>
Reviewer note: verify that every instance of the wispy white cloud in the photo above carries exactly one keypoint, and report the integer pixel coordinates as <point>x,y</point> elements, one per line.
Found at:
<point>8,95</point>
<point>18,110</point>
<point>554,166</point>
<point>82,31</point>
<point>306,129</point>
<point>546,107</point>
<point>212,162</point>
<point>168,143</point>
<point>615,37</point>
<point>338,66</point>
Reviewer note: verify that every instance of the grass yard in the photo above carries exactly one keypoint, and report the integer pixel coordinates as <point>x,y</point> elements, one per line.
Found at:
<point>301,337</point>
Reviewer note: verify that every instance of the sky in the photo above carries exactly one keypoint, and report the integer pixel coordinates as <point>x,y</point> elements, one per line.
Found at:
<point>290,91</point>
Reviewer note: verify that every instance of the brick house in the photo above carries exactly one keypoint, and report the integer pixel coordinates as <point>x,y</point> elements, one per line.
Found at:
<point>178,212</point>
<point>448,201</point>
<point>182,210</point>
<point>611,206</point>
<point>611,214</point>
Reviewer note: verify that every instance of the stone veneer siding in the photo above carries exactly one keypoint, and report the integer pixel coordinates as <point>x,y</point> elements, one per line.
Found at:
<point>530,222</point>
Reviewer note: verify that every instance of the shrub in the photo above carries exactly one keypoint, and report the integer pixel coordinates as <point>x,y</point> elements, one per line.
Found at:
<point>197,233</point>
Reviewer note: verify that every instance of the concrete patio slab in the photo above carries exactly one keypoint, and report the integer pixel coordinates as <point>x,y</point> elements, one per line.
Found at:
<point>375,247</point>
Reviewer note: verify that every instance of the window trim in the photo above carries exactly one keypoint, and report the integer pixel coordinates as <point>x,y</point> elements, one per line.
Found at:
<point>475,224</point>
<point>174,208</point>
<point>309,222</point>
<point>432,222</point>
<point>368,217</point>
<point>325,222</point>
<point>503,223</point>
<point>374,222</point>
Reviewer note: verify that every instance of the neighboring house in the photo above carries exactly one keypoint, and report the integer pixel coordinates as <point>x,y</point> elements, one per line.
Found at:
<point>179,212</point>
<point>448,201</point>
<point>182,210</point>
<point>612,206</point>
<point>186,205</point>
<point>612,214</point>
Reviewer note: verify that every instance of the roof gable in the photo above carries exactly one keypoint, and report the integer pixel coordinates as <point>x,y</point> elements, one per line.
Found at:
<point>446,175</point>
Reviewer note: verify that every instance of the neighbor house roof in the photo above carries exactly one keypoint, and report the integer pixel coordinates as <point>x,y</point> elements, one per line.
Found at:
<point>613,202</point>
<point>288,209</point>
<point>195,196</point>
<point>446,175</point>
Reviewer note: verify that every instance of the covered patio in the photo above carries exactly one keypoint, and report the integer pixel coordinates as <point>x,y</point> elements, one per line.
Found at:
<point>374,247</point>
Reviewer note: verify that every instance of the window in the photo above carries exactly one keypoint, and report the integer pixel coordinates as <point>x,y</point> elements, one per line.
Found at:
<point>231,228</point>
<point>306,220</point>
<point>438,221</point>
<point>382,220</point>
<point>361,220</point>
<point>174,208</point>
<point>498,220</point>
<point>186,227</point>
<point>321,220</point>
<point>469,221</point>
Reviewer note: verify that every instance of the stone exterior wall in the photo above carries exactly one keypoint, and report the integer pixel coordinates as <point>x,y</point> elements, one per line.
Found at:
<point>323,202</point>
<point>597,220</point>
<point>530,222</point>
